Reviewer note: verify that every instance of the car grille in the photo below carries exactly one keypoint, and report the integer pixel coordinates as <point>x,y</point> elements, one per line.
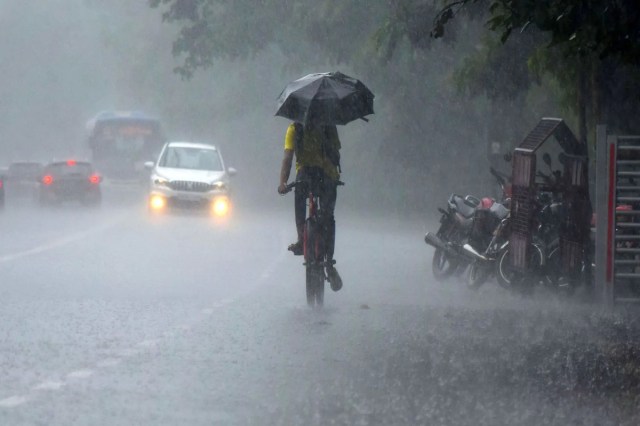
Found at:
<point>185,185</point>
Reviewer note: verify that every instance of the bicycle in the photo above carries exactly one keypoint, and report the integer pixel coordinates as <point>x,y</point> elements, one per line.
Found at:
<point>314,247</point>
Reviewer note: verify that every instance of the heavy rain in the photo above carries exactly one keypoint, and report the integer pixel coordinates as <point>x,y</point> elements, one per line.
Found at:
<point>479,264</point>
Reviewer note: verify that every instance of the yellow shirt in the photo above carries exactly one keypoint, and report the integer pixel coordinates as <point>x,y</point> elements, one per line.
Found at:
<point>312,154</point>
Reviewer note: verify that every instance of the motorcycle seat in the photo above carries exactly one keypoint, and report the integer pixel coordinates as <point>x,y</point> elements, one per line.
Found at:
<point>462,206</point>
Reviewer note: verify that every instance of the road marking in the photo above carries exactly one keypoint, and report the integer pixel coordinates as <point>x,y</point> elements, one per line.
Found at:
<point>80,374</point>
<point>13,401</point>
<point>60,242</point>
<point>50,385</point>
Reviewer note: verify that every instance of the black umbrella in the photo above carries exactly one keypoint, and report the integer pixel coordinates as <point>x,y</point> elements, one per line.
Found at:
<point>325,98</point>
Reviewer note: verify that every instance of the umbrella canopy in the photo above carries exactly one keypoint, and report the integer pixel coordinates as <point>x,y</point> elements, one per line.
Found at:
<point>325,98</point>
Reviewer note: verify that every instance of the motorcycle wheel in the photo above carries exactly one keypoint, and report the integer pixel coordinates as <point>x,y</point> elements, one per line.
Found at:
<point>511,279</point>
<point>554,278</point>
<point>477,275</point>
<point>442,265</point>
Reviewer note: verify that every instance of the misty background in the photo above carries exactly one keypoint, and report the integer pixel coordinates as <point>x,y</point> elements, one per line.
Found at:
<point>66,60</point>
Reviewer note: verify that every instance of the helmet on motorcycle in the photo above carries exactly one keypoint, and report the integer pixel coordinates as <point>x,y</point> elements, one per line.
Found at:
<point>486,203</point>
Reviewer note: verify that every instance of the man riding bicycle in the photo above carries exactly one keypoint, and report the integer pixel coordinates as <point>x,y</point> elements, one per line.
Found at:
<point>316,149</point>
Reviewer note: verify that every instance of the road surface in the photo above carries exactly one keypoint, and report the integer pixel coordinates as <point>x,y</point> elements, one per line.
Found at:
<point>108,317</point>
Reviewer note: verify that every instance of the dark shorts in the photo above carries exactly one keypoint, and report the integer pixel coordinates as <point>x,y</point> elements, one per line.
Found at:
<point>316,180</point>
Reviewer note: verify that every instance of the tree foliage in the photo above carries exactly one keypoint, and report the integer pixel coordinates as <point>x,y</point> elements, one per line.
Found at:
<point>227,29</point>
<point>592,49</point>
<point>604,28</point>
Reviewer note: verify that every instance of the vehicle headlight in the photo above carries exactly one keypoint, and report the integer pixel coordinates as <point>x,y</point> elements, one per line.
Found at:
<point>157,202</point>
<point>219,185</point>
<point>160,181</point>
<point>220,206</point>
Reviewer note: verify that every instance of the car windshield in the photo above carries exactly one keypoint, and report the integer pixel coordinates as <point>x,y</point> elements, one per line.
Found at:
<point>191,158</point>
<point>64,169</point>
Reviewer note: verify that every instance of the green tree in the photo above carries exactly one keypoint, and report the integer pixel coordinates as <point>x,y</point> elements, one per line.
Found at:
<point>219,29</point>
<point>593,49</point>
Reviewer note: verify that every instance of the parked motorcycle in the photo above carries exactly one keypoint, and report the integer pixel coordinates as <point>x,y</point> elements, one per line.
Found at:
<point>467,221</point>
<point>490,237</point>
<point>455,225</point>
<point>544,246</point>
<point>544,261</point>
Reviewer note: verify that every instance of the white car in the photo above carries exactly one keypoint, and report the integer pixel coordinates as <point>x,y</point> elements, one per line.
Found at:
<point>190,176</point>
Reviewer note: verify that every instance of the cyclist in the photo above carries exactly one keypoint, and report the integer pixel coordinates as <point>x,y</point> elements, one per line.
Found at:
<point>316,149</point>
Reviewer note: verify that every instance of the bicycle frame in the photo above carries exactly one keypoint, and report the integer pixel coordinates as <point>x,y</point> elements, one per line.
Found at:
<point>314,242</point>
<point>314,253</point>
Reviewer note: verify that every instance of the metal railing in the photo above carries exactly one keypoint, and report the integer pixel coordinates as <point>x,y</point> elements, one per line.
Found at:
<point>617,254</point>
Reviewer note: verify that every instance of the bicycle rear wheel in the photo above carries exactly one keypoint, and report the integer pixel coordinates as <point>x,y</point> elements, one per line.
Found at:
<point>314,258</point>
<point>315,285</point>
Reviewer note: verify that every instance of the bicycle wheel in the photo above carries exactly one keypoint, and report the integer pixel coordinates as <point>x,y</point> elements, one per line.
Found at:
<point>315,285</point>
<point>314,258</point>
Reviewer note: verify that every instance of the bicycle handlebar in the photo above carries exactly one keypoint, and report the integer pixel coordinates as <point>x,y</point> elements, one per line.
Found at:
<point>293,184</point>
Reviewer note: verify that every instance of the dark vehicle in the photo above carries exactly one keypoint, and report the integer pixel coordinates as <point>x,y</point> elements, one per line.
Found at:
<point>22,179</point>
<point>466,230</point>
<point>121,142</point>
<point>456,224</point>
<point>70,181</point>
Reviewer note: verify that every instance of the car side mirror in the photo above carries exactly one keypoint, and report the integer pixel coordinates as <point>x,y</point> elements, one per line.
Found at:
<point>149,165</point>
<point>232,171</point>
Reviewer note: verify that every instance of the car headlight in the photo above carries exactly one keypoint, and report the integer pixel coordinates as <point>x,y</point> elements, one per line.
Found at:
<point>219,185</point>
<point>220,206</point>
<point>160,181</point>
<point>157,202</point>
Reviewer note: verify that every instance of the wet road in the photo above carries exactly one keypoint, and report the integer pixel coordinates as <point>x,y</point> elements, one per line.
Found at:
<point>108,317</point>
